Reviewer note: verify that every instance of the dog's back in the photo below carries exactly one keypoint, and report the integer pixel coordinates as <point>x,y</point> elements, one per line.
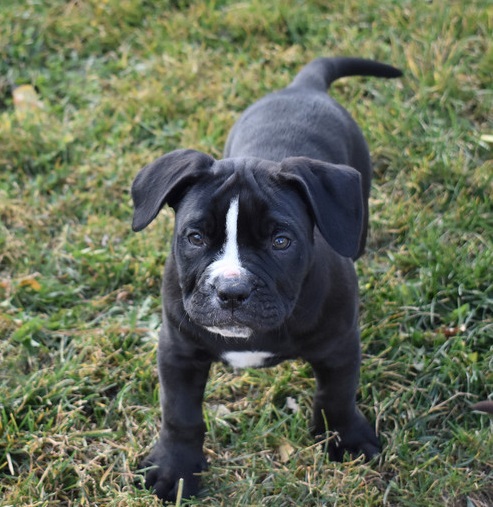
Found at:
<point>302,120</point>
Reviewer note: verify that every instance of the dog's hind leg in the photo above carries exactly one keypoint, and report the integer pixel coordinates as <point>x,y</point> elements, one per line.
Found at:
<point>335,411</point>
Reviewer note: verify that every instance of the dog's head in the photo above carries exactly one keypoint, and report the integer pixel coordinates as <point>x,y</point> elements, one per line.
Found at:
<point>244,231</point>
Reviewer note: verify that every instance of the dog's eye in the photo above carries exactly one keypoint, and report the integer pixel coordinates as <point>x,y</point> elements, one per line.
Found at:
<point>280,242</point>
<point>196,239</point>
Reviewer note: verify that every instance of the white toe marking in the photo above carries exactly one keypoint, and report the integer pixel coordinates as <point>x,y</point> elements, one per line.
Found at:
<point>228,264</point>
<point>246,359</point>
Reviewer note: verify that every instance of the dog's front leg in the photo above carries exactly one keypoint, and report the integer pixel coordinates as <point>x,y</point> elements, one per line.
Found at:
<point>179,451</point>
<point>335,410</point>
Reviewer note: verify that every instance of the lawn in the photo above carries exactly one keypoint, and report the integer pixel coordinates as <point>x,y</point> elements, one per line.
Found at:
<point>116,83</point>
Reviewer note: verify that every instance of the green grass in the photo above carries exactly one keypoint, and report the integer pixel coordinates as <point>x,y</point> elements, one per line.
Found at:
<point>122,82</point>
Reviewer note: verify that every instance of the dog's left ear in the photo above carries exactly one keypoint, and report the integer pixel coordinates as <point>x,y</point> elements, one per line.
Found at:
<point>334,196</point>
<point>164,181</point>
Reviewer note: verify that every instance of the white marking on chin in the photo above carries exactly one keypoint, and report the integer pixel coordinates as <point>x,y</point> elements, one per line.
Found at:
<point>228,264</point>
<point>231,332</point>
<point>246,359</point>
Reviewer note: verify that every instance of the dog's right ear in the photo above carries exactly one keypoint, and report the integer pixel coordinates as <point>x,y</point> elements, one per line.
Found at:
<point>164,181</point>
<point>334,197</point>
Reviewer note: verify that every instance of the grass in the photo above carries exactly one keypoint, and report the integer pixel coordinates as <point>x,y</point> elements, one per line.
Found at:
<point>121,82</point>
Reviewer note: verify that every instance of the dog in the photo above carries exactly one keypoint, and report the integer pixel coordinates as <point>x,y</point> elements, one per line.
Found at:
<point>261,268</point>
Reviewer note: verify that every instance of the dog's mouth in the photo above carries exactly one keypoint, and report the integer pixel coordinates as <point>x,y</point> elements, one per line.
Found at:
<point>242,323</point>
<point>231,331</point>
<point>232,323</point>
<point>240,313</point>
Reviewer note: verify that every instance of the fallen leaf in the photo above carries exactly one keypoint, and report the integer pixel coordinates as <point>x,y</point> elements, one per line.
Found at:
<point>453,331</point>
<point>292,404</point>
<point>123,295</point>
<point>285,450</point>
<point>26,101</point>
<point>484,406</point>
<point>30,282</point>
<point>219,410</point>
<point>488,138</point>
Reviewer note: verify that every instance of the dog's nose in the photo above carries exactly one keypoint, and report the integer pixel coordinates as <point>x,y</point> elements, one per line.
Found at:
<point>232,292</point>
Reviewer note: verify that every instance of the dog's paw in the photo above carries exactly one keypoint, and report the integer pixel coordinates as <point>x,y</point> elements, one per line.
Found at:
<point>357,438</point>
<point>166,465</point>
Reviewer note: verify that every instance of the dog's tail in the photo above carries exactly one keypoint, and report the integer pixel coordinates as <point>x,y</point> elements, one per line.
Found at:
<point>322,72</point>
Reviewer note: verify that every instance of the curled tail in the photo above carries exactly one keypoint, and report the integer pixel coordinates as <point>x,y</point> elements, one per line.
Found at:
<point>322,72</point>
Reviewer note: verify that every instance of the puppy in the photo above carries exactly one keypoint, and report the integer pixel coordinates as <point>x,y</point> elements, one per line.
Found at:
<point>261,268</point>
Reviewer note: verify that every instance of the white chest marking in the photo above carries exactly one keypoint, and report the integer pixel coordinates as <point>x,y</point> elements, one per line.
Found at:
<point>246,359</point>
<point>228,264</point>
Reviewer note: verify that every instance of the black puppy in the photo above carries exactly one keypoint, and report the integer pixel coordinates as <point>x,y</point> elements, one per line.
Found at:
<point>261,268</point>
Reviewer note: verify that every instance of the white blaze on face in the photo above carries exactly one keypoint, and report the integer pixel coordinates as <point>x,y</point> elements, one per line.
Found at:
<point>228,265</point>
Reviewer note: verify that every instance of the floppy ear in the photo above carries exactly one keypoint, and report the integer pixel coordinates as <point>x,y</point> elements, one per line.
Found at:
<point>334,196</point>
<point>164,181</point>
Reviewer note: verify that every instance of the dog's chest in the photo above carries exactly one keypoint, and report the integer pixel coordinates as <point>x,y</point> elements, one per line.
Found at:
<point>246,359</point>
